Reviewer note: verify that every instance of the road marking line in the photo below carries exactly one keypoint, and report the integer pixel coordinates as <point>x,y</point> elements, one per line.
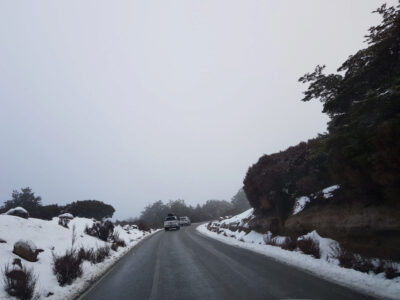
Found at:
<point>156,277</point>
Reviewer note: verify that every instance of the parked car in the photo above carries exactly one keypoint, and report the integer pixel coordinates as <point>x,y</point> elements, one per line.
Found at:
<point>184,221</point>
<point>171,222</point>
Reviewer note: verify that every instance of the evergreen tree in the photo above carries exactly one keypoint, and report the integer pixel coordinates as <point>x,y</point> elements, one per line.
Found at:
<point>26,199</point>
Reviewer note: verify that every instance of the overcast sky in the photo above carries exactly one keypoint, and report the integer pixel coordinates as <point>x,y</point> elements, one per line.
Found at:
<point>130,102</point>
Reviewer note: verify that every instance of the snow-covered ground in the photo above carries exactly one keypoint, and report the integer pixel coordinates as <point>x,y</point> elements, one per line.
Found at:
<point>327,267</point>
<point>53,238</point>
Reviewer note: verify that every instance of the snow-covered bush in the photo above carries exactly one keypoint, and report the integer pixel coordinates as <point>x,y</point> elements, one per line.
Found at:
<point>64,219</point>
<point>117,241</point>
<point>101,254</point>
<point>101,230</point>
<point>67,267</point>
<point>63,222</point>
<point>19,282</point>
<point>391,271</point>
<point>18,212</point>
<point>309,246</point>
<point>289,243</point>
<point>344,256</point>
<point>94,256</point>
<point>87,254</point>
<point>349,260</point>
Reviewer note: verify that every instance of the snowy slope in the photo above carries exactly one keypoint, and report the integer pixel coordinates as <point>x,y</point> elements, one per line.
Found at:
<point>326,267</point>
<point>51,237</point>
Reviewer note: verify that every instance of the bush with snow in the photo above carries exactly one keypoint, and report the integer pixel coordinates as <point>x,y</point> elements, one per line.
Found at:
<point>18,212</point>
<point>67,267</point>
<point>309,246</point>
<point>52,238</point>
<point>19,281</point>
<point>102,230</point>
<point>117,241</point>
<point>66,216</point>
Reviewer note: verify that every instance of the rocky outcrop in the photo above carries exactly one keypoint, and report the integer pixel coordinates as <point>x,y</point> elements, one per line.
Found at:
<point>265,224</point>
<point>26,250</point>
<point>372,231</point>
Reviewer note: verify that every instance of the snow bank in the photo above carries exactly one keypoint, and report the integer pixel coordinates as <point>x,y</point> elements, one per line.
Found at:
<point>327,267</point>
<point>53,238</point>
<point>239,218</point>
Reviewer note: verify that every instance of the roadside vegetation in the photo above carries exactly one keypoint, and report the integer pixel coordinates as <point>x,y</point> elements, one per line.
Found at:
<point>359,155</point>
<point>27,199</point>
<point>70,246</point>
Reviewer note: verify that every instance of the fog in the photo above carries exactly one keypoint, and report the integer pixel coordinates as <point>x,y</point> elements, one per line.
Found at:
<point>129,102</point>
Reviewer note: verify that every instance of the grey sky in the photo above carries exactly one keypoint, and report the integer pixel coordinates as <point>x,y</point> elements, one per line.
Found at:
<point>130,102</point>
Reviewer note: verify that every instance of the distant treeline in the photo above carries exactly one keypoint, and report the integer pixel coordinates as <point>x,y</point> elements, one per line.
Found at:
<point>33,204</point>
<point>361,150</point>
<point>153,215</point>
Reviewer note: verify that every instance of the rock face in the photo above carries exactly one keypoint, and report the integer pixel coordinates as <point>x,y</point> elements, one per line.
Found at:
<point>18,212</point>
<point>27,250</point>
<point>372,231</point>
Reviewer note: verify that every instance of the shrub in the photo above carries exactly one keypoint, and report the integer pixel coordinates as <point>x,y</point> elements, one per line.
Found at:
<point>86,254</point>
<point>101,254</point>
<point>380,267</point>
<point>114,247</point>
<point>309,246</point>
<point>63,222</point>
<point>269,240</point>
<point>117,241</point>
<point>345,257</point>
<point>362,264</point>
<point>101,230</point>
<point>19,282</point>
<point>289,243</point>
<point>142,225</point>
<point>94,256</point>
<point>391,270</point>
<point>67,267</point>
<point>90,209</point>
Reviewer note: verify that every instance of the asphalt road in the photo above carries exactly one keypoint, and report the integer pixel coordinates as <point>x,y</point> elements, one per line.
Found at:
<point>187,265</point>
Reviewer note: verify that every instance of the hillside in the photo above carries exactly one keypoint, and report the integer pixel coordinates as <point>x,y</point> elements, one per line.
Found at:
<point>55,239</point>
<point>358,154</point>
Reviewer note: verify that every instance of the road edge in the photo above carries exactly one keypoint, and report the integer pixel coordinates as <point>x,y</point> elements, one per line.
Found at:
<point>362,290</point>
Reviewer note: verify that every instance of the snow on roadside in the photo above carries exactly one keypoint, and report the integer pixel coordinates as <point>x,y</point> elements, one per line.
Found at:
<point>53,238</point>
<point>326,267</point>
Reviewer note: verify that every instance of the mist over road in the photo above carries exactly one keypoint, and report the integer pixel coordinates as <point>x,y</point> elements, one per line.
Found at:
<point>187,265</point>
